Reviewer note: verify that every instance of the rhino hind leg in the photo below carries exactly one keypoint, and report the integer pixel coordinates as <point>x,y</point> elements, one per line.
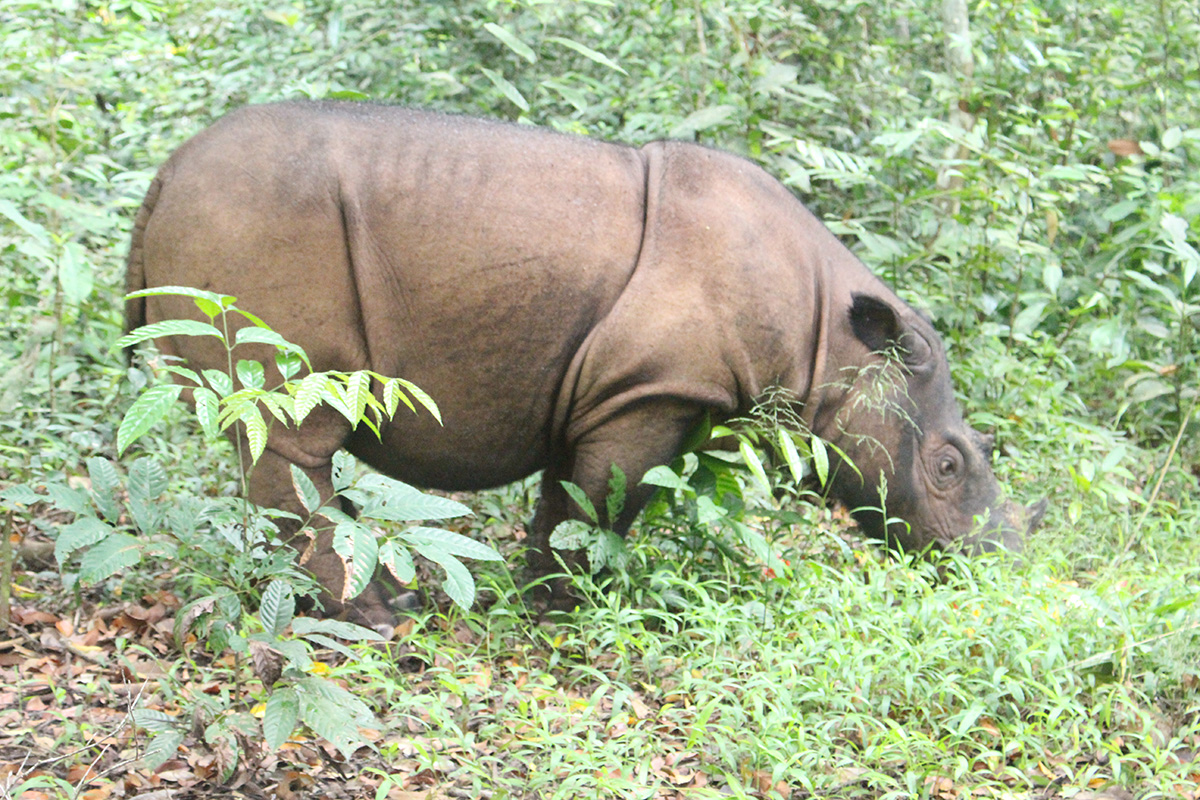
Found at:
<point>635,439</point>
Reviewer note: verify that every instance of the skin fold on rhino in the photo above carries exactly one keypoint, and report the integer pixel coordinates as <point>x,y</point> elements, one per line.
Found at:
<point>569,304</point>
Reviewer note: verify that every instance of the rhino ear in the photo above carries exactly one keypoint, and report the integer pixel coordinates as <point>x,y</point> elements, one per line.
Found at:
<point>880,328</point>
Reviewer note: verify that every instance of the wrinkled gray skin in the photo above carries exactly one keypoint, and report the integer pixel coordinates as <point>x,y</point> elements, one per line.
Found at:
<point>569,304</point>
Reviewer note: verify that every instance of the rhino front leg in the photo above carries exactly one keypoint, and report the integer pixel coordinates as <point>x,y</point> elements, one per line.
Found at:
<point>635,440</point>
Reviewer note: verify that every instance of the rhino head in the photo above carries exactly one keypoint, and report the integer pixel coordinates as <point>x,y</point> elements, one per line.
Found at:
<point>914,474</point>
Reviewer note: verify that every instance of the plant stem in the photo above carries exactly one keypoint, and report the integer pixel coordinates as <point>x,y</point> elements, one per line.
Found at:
<point>1162,474</point>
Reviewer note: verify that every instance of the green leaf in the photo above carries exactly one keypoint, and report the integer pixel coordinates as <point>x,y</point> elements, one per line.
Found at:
<point>582,500</point>
<point>755,464</point>
<point>206,406</point>
<point>154,721</point>
<point>32,229</point>
<point>222,300</point>
<point>309,394</point>
<point>588,52</point>
<point>21,494</point>
<point>147,482</point>
<point>334,713</point>
<point>280,717</point>
<point>820,459</point>
<point>220,382</point>
<point>454,543</point>
<point>170,327</point>
<point>398,561</point>
<point>277,607</point>
<point>162,748</point>
<point>666,478</point>
<point>147,411</point>
<point>105,485</point>
<point>615,501</point>
<point>342,474</point>
<point>255,335</point>
<point>386,498</point>
<point>419,395</point>
<point>571,534</point>
<point>458,582</point>
<point>359,550</point>
<point>306,490</point>
<point>78,534</point>
<point>511,41</point>
<point>790,455</point>
<point>74,275</point>
<point>114,554</point>
<point>256,431</point>
<point>701,120</point>
<point>288,364</point>
<point>358,391</point>
<point>306,626</point>
<point>250,373</point>
<point>506,88</point>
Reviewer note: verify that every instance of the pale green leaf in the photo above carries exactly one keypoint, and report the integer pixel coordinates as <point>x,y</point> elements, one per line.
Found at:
<point>280,717</point>
<point>306,490</point>
<point>755,464</point>
<point>359,550</point>
<point>277,607</point>
<point>146,412</point>
<point>115,553</point>
<point>453,543</point>
<point>398,561</point>
<point>81,533</point>
<point>791,456</point>
<point>207,407</point>
<point>256,431</point>
<point>511,41</point>
<point>582,500</point>
<point>170,327</point>
<point>589,53</point>
<point>309,393</point>
<point>506,88</point>
<point>820,459</point>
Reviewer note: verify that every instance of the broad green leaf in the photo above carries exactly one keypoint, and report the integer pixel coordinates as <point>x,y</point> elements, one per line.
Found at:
<point>154,721</point>
<point>280,717</point>
<point>21,495</point>
<point>582,500</point>
<point>147,482</point>
<point>511,41</point>
<point>453,543</point>
<point>74,274</point>
<point>398,561</point>
<point>321,640</point>
<point>306,490</point>
<point>506,88</point>
<point>207,407</point>
<point>220,381</point>
<point>458,582</point>
<point>343,470</point>
<point>256,335</point>
<point>708,512</point>
<point>701,120</point>
<point>790,455</point>
<point>664,477</point>
<point>755,464</point>
<point>183,372</point>
<point>250,373</point>
<point>588,52</point>
<point>105,485</point>
<point>115,553</point>
<point>146,412</point>
<point>386,498</point>
<point>358,390</point>
<point>357,546</point>
<point>334,714</point>
<point>820,459</point>
<point>31,228</point>
<point>81,533</point>
<point>288,364</point>
<point>170,327</point>
<point>207,307</point>
<point>66,498</point>
<point>571,534</point>
<point>277,607</point>
<point>306,626</point>
<point>162,748</point>
<point>222,300</point>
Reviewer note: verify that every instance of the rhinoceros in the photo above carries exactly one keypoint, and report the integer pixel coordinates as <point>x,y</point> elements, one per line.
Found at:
<point>570,304</point>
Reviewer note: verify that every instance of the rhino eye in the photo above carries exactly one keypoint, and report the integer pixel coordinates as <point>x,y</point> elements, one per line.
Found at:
<point>947,466</point>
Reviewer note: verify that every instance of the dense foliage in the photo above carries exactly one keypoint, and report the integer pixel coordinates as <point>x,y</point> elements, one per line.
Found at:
<point>1053,242</point>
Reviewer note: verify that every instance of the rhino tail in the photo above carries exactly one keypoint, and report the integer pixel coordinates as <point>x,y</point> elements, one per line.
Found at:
<point>135,268</point>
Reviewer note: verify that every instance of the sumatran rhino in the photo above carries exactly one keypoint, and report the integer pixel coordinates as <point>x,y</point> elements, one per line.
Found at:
<point>570,305</point>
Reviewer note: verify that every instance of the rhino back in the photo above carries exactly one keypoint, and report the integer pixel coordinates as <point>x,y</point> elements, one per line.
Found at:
<point>470,257</point>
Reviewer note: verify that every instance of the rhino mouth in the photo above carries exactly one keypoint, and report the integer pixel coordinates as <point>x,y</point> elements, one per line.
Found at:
<point>1016,524</point>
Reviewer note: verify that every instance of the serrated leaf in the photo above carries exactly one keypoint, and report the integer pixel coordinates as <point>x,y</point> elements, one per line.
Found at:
<point>588,52</point>
<point>582,500</point>
<point>398,561</point>
<point>309,393</point>
<point>146,412</point>
<point>78,534</point>
<point>105,485</point>
<point>511,41</point>
<point>106,558</point>
<point>280,717</point>
<point>170,327</point>
<point>277,607</point>
<point>359,550</point>
<point>256,431</point>
<point>506,88</point>
<point>389,499</point>
<point>451,542</point>
<point>306,490</point>
<point>162,748</point>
